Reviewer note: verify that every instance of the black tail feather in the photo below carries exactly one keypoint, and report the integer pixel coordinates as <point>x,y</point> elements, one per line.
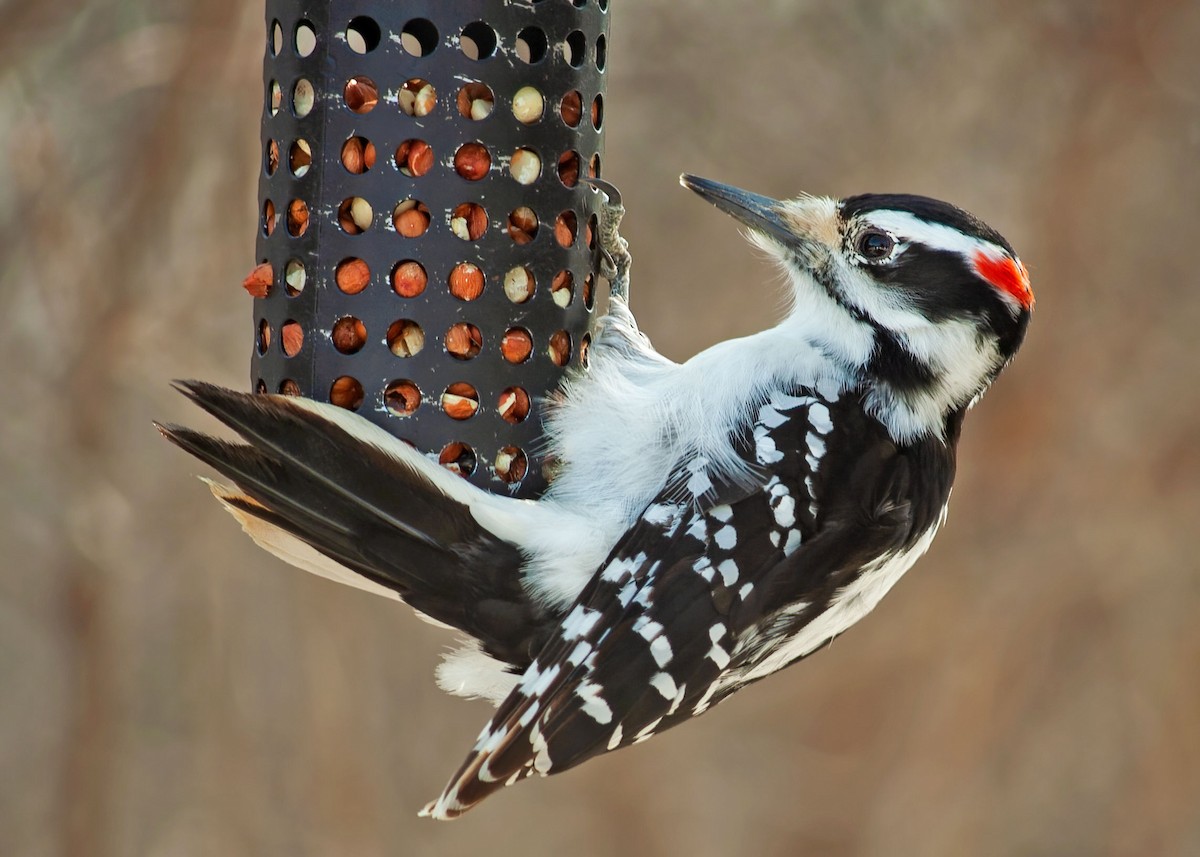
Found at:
<point>371,512</point>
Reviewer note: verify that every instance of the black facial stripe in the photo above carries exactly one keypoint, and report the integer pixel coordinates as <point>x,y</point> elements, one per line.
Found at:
<point>940,283</point>
<point>895,364</point>
<point>824,277</point>
<point>930,210</point>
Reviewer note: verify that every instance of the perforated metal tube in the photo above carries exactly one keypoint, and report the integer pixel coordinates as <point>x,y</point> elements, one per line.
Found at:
<point>347,319</point>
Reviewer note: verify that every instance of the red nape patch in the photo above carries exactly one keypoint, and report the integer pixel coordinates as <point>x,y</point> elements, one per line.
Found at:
<point>1007,275</point>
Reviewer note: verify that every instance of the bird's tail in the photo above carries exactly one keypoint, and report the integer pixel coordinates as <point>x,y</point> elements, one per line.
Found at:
<point>333,494</point>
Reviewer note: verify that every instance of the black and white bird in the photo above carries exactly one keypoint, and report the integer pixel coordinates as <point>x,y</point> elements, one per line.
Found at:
<point>712,522</point>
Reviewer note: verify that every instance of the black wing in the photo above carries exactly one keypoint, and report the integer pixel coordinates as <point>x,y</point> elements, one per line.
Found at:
<point>701,592</point>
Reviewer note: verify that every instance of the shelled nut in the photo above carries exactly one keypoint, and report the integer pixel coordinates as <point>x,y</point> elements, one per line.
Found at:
<point>511,464</point>
<point>566,227</point>
<point>349,335</point>
<point>475,101</point>
<point>259,281</point>
<point>522,225</point>
<point>417,97</point>
<point>562,289</point>
<point>346,392</point>
<point>460,401</point>
<point>458,457</point>
<point>518,285</point>
<point>292,336</point>
<point>528,105</point>
<point>513,405</point>
<point>414,158</point>
<point>355,215</point>
<point>571,108</point>
<point>568,168</point>
<point>402,397</point>
<point>409,279</point>
<point>466,281</point>
<point>469,221</point>
<point>525,166</point>
<point>517,345</point>
<point>560,348</point>
<point>361,94</point>
<point>297,217</point>
<point>463,340</point>
<point>358,155</point>
<point>411,218</point>
<point>472,161</point>
<point>405,338</point>
<point>352,276</point>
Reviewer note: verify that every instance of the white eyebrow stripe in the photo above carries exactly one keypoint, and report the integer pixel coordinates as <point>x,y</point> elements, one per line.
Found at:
<point>909,227</point>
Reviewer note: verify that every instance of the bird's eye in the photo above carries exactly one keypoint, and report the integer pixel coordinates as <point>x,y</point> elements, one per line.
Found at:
<point>875,244</point>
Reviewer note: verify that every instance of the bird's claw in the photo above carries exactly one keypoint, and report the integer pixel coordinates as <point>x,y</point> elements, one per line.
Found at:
<point>607,188</point>
<point>612,252</point>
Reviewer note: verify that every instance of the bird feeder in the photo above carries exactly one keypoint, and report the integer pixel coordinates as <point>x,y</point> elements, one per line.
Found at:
<point>427,244</point>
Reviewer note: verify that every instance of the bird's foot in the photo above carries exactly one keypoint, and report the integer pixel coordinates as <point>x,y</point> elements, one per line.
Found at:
<point>614,259</point>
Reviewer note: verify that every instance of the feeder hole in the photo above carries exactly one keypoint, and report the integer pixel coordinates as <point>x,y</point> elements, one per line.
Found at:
<point>472,161</point>
<point>363,35</point>
<point>303,98</point>
<point>409,279</point>
<point>468,221</point>
<point>414,158</point>
<point>306,38</point>
<point>522,225</point>
<point>417,97</point>
<point>475,101</point>
<point>297,217</point>
<point>411,218</point>
<point>466,281</point>
<point>458,457</point>
<point>571,108</point>
<point>460,401</point>
<point>346,392</point>
<point>518,285</point>
<point>574,48</point>
<point>295,276</point>
<point>525,166</point>
<point>463,341</point>
<point>300,158</point>
<point>352,275</point>
<point>569,165</point>
<point>532,45</point>
<point>562,290</point>
<point>513,405</point>
<point>360,94</point>
<point>511,464</point>
<point>402,397</point>
<point>405,338</point>
<point>355,215</point>
<point>478,41</point>
<point>517,345</point>
<point>358,155</point>
<point>292,336</point>
<point>419,37</point>
<point>349,335</point>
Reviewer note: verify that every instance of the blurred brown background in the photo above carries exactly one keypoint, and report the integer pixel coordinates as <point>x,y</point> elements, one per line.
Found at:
<point>1032,688</point>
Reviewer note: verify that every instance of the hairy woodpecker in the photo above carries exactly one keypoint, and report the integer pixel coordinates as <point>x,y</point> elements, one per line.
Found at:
<point>712,522</point>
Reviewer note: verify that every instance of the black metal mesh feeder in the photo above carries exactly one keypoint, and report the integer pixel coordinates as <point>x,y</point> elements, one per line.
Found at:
<point>429,237</point>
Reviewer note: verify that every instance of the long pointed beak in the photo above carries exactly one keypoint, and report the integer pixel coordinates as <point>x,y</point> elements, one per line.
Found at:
<point>760,213</point>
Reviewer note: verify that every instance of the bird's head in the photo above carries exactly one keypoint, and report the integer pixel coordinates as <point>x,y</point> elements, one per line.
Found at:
<point>921,299</point>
